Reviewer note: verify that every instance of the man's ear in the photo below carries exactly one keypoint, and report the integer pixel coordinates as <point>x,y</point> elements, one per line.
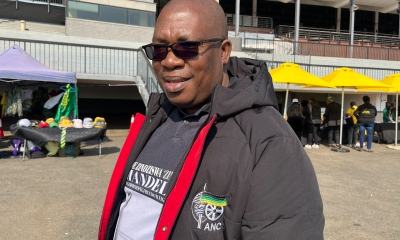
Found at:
<point>226,48</point>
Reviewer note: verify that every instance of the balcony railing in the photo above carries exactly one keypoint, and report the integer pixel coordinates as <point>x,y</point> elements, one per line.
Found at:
<point>323,70</point>
<point>250,21</point>
<point>320,49</point>
<point>330,36</point>
<point>92,59</point>
<point>52,2</point>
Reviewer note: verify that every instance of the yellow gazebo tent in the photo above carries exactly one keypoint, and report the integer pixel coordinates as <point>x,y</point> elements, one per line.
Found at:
<point>393,81</point>
<point>350,79</point>
<point>291,73</point>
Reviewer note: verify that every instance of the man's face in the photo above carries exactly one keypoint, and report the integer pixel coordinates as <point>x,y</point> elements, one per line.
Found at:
<point>188,83</point>
<point>327,102</point>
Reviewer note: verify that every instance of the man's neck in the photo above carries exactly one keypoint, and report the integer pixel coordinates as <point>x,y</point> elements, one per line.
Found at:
<point>190,111</point>
<point>225,80</point>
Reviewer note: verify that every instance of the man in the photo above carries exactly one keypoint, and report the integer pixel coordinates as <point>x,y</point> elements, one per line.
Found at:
<point>332,120</point>
<point>313,122</point>
<point>295,117</point>
<point>213,159</point>
<point>366,115</point>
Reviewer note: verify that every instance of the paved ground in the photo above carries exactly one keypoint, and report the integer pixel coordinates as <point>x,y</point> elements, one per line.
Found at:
<point>62,198</point>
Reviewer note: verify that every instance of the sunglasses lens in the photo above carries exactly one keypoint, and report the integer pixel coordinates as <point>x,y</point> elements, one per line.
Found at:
<point>185,49</point>
<point>155,52</point>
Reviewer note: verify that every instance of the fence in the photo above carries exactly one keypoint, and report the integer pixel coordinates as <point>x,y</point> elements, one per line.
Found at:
<point>250,21</point>
<point>332,36</point>
<point>148,77</point>
<point>91,59</point>
<point>58,2</point>
<point>321,49</point>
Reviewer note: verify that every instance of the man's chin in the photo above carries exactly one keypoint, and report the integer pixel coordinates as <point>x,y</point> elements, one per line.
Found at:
<point>181,103</point>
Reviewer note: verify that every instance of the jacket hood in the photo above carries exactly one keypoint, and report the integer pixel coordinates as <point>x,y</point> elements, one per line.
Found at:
<point>250,86</point>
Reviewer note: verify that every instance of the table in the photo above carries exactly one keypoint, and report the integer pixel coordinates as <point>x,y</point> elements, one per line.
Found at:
<point>54,134</point>
<point>386,132</point>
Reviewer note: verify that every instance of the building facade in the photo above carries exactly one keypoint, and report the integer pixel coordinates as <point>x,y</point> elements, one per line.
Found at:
<point>100,41</point>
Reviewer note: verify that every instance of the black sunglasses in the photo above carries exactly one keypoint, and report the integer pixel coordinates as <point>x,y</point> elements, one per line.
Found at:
<point>182,50</point>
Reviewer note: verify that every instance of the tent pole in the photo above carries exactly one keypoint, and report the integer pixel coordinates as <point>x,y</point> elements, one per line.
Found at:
<point>76,100</point>
<point>341,119</point>
<point>397,113</point>
<point>286,100</point>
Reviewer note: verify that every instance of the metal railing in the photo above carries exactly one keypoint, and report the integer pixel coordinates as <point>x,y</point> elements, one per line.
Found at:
<point>250,21</point>
<point>91,59</point>
<point>332,36</point>
<point>323,70</point>
<point>57,2</point>
<point>321,49</point>
<point>149,80</point>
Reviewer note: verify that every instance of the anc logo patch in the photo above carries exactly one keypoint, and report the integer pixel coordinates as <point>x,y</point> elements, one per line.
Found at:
<point>209,208</point>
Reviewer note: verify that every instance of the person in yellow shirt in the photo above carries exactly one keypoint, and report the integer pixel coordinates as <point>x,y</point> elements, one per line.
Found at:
<point>352,128</point>
<point>3,104</point>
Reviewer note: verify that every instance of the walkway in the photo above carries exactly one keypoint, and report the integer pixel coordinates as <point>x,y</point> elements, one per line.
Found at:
<point>62,198</point>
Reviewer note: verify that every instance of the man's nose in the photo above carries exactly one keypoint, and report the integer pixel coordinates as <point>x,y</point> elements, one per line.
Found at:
<point>171,61</point>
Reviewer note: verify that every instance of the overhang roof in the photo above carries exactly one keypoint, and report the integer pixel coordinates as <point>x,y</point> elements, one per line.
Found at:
<point>383,6</point>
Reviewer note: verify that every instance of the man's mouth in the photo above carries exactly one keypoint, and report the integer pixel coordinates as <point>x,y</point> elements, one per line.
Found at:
<point>175,84</point>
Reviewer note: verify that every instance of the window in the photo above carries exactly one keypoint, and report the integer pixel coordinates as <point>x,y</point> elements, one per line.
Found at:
<point>141,18</point>
<point>112,14</point>
<point>83,10</point>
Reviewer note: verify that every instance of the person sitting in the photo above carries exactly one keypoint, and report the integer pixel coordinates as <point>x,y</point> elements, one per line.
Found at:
<point>332,120</point>
<point>389,115</point>
<point>352,127</point>
<point>295,117</point>
<point>366,114</point>
<point>313,122</point>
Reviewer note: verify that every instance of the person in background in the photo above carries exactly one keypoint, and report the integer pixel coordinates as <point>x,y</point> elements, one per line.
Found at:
<point>389,115</point>
<point>332,120</point>
<point>295,117</point>
<point>366,114</point>
<point>352,128</point>
<point>313,122</point>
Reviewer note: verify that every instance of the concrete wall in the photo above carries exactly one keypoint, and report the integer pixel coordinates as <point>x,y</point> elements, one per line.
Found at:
<point>109,31</point>
<point>145,5</point>
<point>59,38</point>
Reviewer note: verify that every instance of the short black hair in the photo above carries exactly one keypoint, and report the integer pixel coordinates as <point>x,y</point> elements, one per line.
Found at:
<point>366,99</point>
<point>312,99</point>
<point>352,104</point>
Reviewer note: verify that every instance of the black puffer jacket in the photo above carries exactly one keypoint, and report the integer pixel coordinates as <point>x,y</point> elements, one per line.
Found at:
<point>332,115</point>
<point>366,113</point>
<point>312,113</point>
<point>247,156</point>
